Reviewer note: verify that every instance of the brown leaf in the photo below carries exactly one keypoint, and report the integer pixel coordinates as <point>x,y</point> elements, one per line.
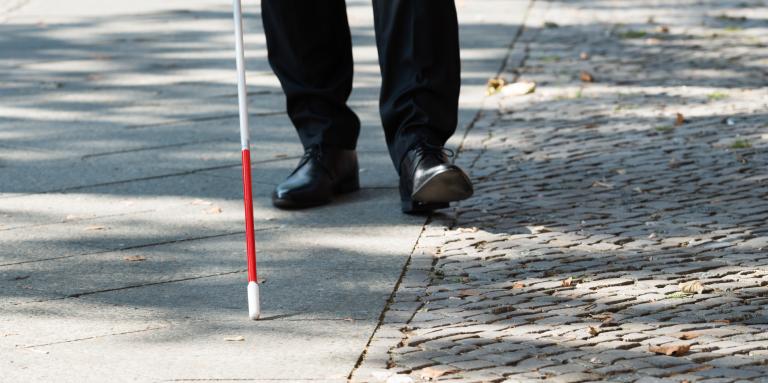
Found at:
<point>679,119</point>
<point>95,228</point>
<point>502,310</point>
<point>586,76</point>
<point>135,258</point>
<point>691,287</point>
<point>662,29</point>
<point>214,210</point>
<point>518,285</point>
<point>689,335</point>
<point>652,41</point>
<point>238,338</point>
<point>671,350</point>
<point>567,282</point>
<point>468,293</point>
<point>594,331</point>
<point>281,155</point>
<point>725,321</point>
<point>436,372</point>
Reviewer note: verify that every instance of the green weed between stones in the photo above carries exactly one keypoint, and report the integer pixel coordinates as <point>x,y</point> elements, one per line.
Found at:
<point>741,144</point>
<point>717,96</point>
<point>633,34</point>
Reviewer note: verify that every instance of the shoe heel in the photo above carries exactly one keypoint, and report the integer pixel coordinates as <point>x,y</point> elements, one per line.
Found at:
<point>349,185</point>
<point>410,206</point>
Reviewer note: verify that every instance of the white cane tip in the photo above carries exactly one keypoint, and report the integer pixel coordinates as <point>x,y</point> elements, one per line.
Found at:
<point>254,307</point>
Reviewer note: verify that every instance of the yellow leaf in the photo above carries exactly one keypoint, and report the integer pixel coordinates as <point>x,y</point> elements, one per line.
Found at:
<point>495,85</point>
<point>519,88</point>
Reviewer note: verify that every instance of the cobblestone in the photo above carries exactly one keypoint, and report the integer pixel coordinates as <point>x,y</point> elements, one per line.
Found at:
<point>595,200</point>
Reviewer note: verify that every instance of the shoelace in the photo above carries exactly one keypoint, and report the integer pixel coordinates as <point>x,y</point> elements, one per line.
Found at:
<point>313,152</point>
<point>428,149</point>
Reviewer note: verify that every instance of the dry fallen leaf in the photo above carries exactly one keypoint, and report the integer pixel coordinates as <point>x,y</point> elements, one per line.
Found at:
<point>652,41</point>
<point>567,282</point>
<point>691,287</point>
<point>95,228</point>
<point>238,338</point>
<point>600,184</point>
<point>214,210</point>
<point>519,88</point>
<point>689,335</point>
<point>518,285</point>
<point>436,372</point>
<point>586,76</point>
<point>494,85</point>
<point>594,331</point>
<point>679,119</point>
<point>725,321</point>
<point>662,29</point>
<point>468,293</point>
<point>135,258</point>
<point>670,350</point>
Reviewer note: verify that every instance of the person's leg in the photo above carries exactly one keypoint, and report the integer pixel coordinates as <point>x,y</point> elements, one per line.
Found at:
<point>418,42</point>
<point>310,51</point>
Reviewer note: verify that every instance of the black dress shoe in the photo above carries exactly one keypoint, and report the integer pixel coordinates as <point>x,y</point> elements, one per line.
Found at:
<point>321,174</point>
<point>428,181</point>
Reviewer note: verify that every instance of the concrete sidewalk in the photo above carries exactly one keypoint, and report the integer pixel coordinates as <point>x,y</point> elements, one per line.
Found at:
<point>121,243</point>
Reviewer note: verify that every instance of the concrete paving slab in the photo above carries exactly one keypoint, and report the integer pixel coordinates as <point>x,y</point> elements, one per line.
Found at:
<point>128,110</point>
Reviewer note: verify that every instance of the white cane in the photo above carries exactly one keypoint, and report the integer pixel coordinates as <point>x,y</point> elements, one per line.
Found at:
<point>254,309</point>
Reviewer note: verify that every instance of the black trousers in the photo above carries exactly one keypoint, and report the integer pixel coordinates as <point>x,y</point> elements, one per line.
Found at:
<point>310,51</point>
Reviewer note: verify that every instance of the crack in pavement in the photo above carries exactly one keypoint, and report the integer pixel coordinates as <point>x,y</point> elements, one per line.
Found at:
<point>92,337</point>
<point>204,119</point>
<point>147,178</point>
<point>133,247</point>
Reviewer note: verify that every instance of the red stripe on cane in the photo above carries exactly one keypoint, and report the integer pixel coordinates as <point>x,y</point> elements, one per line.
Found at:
<point>250,239</point>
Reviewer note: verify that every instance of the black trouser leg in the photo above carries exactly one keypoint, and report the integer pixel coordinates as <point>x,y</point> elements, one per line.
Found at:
<point>418,42</point>
<point>310,50</point>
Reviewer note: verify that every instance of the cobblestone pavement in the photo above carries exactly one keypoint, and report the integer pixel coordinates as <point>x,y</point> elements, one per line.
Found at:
<point>599,209</point>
